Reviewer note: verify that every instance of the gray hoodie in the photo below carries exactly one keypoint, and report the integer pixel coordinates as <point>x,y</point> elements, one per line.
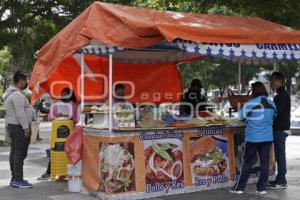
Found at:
<point>17,107</point>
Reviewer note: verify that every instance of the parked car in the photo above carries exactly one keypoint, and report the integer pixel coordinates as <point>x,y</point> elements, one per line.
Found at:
<point>295,121</point>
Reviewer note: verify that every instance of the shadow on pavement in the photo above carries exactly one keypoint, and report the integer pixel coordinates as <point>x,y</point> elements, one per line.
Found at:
<point>45,190</point>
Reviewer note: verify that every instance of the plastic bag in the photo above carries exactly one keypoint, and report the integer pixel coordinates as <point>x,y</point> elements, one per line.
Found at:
<point>73,146</point>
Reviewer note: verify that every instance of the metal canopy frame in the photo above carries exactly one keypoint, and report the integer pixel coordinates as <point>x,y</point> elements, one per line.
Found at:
<point>240,52</point>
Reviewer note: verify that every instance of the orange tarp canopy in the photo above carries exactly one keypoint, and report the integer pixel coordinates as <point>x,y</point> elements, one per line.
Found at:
<point>147,82</point>
<point>132,27</point>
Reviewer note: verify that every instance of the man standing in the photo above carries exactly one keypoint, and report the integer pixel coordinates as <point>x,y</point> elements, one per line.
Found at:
<point>280,126</point>
<point>18,119</point>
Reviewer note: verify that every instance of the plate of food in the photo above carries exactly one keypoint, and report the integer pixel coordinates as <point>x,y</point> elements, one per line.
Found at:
<point>148,120</point>
<point>234,122</point>
<point>124,116</point>
<point>181,125</point>
<point>99,109</point>
<point>197,122</point>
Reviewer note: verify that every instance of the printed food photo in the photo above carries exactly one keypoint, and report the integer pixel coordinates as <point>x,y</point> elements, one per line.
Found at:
<point>117,167</point>
<point>163,160</point>
<point>207,157</point>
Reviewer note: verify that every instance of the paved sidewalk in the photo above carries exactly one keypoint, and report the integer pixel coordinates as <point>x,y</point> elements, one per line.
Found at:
<point>36,164</point>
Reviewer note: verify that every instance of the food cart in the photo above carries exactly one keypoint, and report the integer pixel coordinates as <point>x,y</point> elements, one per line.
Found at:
<point>144,162</point>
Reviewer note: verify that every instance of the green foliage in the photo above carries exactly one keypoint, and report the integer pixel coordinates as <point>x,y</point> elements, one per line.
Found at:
<point>25,26</point>
<point>5,57</point>
<point>217,73</point>
<point>289,69</point>
<point>5,67</point>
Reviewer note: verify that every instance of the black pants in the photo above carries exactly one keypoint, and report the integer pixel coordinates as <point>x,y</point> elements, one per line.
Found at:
<point>263,149</point>
<point>48,171</point>
<point>18,150</point>
<point>279,149</point>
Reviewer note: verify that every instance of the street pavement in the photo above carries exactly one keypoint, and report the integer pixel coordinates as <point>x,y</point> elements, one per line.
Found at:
<point>36,164</point>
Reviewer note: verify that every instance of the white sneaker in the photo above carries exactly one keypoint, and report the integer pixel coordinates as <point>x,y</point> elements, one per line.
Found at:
<point>261,192</point>
<point>236,191</point>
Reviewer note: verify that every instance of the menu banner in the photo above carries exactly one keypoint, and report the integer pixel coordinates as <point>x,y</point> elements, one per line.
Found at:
<point>209,161</point>
<point>163,153</point>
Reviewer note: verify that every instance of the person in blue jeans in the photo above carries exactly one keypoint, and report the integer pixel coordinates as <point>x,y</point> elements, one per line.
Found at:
<point>258,114</point>
<point>281,125</point>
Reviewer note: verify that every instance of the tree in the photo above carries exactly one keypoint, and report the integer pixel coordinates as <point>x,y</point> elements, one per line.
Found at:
<point>289,70</point>
<point>25,26</point>
<point>5,59</point>
<point>224,74</point>
<point>214,73</point>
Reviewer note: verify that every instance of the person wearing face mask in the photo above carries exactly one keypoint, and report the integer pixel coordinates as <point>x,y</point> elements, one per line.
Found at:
<point>193,100</point>
<point>18,119</point>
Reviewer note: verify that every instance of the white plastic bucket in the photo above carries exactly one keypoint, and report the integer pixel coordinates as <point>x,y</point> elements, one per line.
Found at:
<point>74,183</point>
<point>35,126</point>
<point>74,177</point>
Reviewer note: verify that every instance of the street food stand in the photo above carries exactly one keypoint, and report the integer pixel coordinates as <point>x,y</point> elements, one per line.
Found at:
<point>143,162</point>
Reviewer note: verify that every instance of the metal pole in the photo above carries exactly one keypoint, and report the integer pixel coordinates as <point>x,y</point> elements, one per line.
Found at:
<point>82,80</point>
<point>239,76</point>
<point>110,90</point>
<point>82,116</point>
